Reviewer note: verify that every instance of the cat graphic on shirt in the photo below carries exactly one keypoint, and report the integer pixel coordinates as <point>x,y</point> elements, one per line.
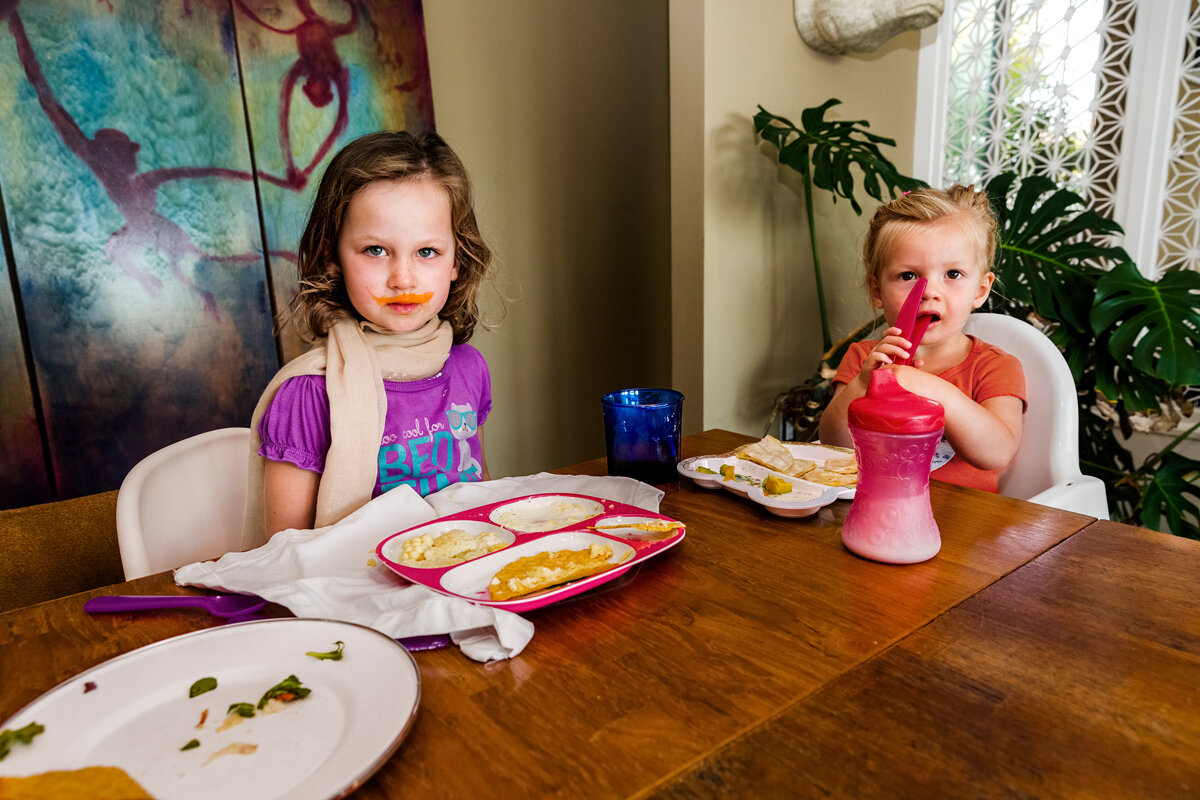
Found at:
<point>463,424</point>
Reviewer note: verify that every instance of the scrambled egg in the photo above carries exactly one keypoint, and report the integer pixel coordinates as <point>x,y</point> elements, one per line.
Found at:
<point>452,547</point>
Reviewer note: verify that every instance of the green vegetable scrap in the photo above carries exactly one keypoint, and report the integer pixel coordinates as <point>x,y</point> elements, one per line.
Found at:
<point>192,745</point>
<point>332,655</point>
<point>286,691</point>
<point>707,471</point>
<point>20,736</point>
<point>201,686</point>
<point>242,709</point>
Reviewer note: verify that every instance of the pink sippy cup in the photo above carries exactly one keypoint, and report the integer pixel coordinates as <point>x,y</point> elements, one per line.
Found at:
<point>895,434</point>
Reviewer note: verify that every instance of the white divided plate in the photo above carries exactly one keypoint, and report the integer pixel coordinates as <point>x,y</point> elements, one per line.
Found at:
<point>804,500</point>
<point>139,715</point>
<point>393,546</point>
<point>471,580</point>
<point>545,512</point>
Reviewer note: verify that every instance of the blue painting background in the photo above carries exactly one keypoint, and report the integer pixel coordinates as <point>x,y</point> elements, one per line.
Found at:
<point>135,216</point>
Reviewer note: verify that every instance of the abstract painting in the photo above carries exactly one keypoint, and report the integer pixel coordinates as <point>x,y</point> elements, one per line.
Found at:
<point>157,163</point>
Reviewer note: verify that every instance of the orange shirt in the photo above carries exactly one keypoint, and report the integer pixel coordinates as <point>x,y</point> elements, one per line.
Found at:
<point>986,372</point>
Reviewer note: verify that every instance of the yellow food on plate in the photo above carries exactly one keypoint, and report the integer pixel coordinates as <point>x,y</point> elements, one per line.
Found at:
<point>659,525</point>
<point>727,472</point>
<point>452,547</point>
<point>844,464</point>
<point>768,451</point>
<point>773,454</point>
<point>94,783</point>
<point>828,477</point>
<point>541,571</point>
<point>776,485</point>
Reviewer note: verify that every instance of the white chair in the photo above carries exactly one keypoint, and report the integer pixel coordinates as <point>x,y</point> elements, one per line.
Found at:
<point>1046,467</point>
<point>184,503</point>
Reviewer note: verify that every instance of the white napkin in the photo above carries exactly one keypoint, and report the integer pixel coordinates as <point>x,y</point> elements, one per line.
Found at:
<point>324,573</point>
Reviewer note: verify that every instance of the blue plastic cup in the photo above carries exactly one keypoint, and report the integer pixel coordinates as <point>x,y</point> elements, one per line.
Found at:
<point>641,433</point>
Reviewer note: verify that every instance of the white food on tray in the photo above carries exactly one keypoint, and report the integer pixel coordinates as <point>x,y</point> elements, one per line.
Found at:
<point>805,499</point>
<point>545,513</point>
<point>394,549</point>
<point>565,522</point>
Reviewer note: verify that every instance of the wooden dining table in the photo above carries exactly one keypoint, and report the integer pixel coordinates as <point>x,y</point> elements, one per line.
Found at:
<point>1041,653</point>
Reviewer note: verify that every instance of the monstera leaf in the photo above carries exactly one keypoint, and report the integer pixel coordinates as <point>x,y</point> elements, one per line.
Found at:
<point>1049,256</point>
<point>1167,495</point>
<point>823,150</point>
<point>1119,379</point>
<point>1157,323</point>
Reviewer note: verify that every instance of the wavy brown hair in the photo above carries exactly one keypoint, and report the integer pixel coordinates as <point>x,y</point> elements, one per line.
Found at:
<point>894,221</point>
<point>386,156</point>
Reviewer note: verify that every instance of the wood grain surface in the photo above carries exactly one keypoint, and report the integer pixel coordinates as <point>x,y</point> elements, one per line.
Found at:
<point>625,688</point>
<point>1074,677</point>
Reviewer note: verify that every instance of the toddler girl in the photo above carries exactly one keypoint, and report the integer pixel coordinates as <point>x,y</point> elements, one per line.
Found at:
<point>949,238</point>
<point>390,265</point>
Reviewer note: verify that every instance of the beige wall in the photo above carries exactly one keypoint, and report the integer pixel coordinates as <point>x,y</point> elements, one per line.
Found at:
<point>644,236</point>
<point>761,329</point>
<point>559,110</point>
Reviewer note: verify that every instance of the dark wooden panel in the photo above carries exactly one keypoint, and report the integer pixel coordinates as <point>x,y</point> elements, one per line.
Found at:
<point>23,476</point>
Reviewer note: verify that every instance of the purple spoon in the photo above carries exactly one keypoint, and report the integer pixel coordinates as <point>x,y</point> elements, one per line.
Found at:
<point>433,642</point>
<point>225,605</point>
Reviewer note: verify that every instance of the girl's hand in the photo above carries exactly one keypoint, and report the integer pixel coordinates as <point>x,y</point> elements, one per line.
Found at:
<point>891,348</point>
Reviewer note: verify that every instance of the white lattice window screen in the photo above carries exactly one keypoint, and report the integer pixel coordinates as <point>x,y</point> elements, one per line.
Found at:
<point>1179,241</point>
<point>1103,96</point>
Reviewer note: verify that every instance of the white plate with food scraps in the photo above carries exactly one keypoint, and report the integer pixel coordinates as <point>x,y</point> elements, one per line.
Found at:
<point>508,530</point>
<point>806,497</point>
<point>134,712</point>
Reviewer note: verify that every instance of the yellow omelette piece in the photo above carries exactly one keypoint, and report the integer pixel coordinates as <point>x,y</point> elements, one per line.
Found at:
<point>661,525</point>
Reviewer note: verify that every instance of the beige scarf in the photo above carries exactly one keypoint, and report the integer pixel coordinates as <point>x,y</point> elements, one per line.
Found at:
<point>355,359</point>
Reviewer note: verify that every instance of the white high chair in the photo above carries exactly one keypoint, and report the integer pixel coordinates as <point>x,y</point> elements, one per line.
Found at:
<point>1046,467</point>
<point>184,503</point>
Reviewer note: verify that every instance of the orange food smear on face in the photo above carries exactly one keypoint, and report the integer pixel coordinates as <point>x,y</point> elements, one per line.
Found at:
<point>407,299</point>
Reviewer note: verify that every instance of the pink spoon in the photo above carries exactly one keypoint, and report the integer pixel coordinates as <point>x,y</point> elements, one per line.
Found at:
<point>225,605</point>
<point>911,327</point>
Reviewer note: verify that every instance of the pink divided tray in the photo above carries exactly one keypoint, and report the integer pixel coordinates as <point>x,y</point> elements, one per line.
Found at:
<point>533,524</point>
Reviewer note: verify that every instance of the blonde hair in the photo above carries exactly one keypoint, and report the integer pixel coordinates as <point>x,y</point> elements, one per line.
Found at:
<point>386,156</point>
<point>895,221</point>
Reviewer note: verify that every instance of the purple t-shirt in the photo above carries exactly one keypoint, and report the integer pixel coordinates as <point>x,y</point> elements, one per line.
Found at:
<point>429,439</point>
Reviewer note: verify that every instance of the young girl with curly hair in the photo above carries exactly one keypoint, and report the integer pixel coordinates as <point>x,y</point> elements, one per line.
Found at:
<point>391,394</point>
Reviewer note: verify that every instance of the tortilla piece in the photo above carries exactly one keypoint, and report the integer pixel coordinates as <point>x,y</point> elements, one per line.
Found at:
<point>543,570</point>
<point>768,451</point>
<point>773,454</point>
<point>830,478</point>
<point>95,783</point>
<point>800,467</point>
<point>844,464</point>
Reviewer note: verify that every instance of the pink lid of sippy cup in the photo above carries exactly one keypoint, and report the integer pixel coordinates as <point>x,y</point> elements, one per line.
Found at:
<point>888,407</point>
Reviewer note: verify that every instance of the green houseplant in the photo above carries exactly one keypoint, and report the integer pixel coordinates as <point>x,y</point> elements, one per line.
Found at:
<point>1133,344</point>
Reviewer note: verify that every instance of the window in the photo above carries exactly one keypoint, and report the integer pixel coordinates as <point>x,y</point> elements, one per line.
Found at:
<point>1101,95</point>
